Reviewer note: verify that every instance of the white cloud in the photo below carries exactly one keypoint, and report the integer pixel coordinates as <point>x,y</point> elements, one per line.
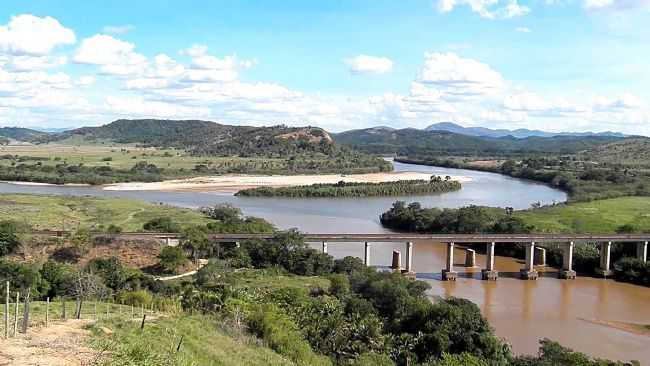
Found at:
<point>364,64</point>
<point>625,101</point>
<point>138,107</point>
<point>457,76</point>
<point>85,80</point>
<point>27,34</point>
<point>489,9</point>
<point>523,30</point>
<point>596,5</point>
<point>118,29</point>
<point>115,57</point>
<point>31,63</point>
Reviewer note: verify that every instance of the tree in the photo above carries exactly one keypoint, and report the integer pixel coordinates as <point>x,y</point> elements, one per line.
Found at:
<point>196,240</point>
<point>223,212</point>
<point>8,239</point>
<point>85,285</point>
<point>171,258</point>
<point>162,225</point>
<point>80,241</point>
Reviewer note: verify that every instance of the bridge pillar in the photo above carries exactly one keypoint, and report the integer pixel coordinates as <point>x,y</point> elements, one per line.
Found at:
<point>529,272</point>
<point>567,271</point>
<point>397,261</point>
<point>605,258</point>
<point>540,256</point>
<point>366,258</point>
<point>642,251</point>
<point>470,258</point>
<point>168,241</point>
<point>324,247</point>
<point>409,257</point>
<point>448,273</point>
<point>489,273</point>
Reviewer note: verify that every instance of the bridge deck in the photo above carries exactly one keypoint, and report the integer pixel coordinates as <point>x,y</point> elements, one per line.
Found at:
<point>390,237</point>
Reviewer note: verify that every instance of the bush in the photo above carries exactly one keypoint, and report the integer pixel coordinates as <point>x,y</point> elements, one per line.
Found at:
<point>171,258</point>
<point>8,239</point>
<point>633,270</point>
<point>282,335</point>
<point>162,225</point>
<point>135,298</point>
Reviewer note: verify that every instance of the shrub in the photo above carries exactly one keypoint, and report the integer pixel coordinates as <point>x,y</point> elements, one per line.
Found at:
<point>633,270</point>
<point>8,239</point>
<point>135,298</point>
<point>162,225</point>
<point>171,258</point>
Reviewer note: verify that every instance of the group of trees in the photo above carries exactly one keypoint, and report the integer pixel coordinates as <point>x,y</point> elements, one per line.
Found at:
<point>464,220</point>
<point>352,189</point>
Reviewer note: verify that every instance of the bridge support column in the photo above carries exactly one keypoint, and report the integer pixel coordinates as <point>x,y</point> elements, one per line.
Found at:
<point>168,241</point>
<point>397,261</point>
<point>642,251</point>
<point>324,247</point>
<point>470,258</point>
<point>409,257</point>
<point>448,273</point>
<point>366,257</point>
<point>489,273</point>
<point>567,271</point>
<point>540,256</point>
<point>605,259</point>
<point>529,272</point>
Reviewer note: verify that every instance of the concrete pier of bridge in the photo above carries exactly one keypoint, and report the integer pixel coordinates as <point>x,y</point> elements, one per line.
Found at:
<point>529,272</point>
<point>605,259</point>
<point>489,273</point>
<point>642,251</point>
<point>448,274</point>
<point>567,271</point>
<point>366,254</point>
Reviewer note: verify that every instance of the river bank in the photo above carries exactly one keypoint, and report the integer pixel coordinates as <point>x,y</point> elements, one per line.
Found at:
<point>235,183</point>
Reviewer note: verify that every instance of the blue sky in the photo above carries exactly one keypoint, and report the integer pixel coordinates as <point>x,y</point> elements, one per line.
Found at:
<point>552,64</point>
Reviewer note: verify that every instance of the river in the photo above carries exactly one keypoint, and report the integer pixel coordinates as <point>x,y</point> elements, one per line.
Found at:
<point>522,312</point>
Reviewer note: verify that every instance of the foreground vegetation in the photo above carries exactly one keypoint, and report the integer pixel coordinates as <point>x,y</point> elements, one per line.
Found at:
<point>274,301</point>
<point>350,189</point>
<point>610,216</point>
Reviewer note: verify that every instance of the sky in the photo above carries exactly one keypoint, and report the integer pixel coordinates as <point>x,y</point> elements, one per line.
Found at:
<point>555,65</point>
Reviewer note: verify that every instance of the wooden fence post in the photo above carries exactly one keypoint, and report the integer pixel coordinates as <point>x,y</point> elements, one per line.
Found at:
<point>47,311</point>
<point>95,309</point>
<point>143,319</point>
<point>25,324</point>
<point>7,312</point>
<point>178,348</point>
<point>64,316</point>
<point>16,315</point>
<point>132,312</point>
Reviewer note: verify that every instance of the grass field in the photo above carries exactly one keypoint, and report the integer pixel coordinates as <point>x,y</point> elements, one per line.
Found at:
<point>121,156</point>
<point>205,342</point>
<point>69,213</point>
<point>602,216</point>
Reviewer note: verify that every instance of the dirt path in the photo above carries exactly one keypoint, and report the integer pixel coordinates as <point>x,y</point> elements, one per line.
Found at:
<point>60,344</point>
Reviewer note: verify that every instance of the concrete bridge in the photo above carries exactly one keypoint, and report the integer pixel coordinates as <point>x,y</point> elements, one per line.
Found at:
<point>530,241</point>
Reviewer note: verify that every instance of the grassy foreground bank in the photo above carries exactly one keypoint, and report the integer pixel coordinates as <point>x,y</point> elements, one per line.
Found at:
<point>44,212</point>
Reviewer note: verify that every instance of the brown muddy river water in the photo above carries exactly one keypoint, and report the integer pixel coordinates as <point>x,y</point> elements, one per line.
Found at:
<point>522,312</point>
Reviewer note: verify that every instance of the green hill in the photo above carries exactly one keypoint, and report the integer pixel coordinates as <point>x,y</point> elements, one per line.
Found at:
<point>631,153</point>
<point>208,138</point>
<point>21,134</point>
<point>413,142</point>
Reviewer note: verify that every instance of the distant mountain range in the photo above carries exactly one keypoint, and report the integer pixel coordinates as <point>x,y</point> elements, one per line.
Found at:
<point>518,133</point>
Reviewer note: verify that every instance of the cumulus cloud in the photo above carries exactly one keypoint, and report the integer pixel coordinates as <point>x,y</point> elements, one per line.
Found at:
<point>489,9</point>
<point>364,64</point>
<point>114,56</point>
<point>27,34</point>
<point>457,76</point>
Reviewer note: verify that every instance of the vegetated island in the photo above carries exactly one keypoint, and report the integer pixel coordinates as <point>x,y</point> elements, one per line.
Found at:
<point>356,189</point>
